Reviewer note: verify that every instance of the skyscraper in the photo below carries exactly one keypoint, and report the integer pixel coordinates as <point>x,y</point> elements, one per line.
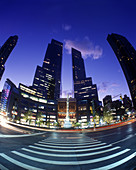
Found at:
<point>126,56</point>
<point>78,65</point>
<point>83,87</point>
<point>5,51</point>
<point>47,80</point>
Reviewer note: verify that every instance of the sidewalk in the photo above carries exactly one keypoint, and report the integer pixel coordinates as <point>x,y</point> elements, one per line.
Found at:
<point>76,130</point>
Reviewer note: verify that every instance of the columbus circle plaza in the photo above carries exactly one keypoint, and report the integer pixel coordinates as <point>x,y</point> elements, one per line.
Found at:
<point>41,130</point>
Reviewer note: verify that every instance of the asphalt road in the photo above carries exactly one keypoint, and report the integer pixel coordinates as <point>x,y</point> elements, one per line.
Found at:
<point>108,149</point>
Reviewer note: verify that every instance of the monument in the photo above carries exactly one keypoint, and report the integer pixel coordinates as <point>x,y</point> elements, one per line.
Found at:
<point>67,123</point>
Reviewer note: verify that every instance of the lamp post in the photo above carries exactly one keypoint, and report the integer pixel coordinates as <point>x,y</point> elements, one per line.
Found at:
<point>93,107</point>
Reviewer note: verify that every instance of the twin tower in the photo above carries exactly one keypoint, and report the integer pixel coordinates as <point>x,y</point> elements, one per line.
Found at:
<point>47,79</point>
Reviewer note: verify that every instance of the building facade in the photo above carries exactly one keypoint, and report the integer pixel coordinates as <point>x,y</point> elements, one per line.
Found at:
<point>107,99</point>
<point>62,109</point>
<point>127,103</point>
<point>47,79</point>
<point>126,56</point>
<point>5,51</point>
<point>44,83</point>
<point>15,102</point>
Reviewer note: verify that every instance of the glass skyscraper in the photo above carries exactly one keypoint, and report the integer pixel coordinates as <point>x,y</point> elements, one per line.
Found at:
<point>47,80</point>
<point>83,87</point>
<point>126,55</point>
<point>85,91</point>
<point>5,51</point>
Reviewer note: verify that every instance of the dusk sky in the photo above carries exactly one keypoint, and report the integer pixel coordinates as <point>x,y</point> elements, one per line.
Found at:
<point>81,24</point>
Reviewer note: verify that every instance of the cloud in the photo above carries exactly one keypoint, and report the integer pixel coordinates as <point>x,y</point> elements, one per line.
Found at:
<point>104,87</point>
<point>87,48</point>
<point>66,27</point>
<point>114,85</point>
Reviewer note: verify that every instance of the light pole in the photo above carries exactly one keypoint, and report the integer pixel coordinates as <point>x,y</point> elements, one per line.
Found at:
<point>93,107</point>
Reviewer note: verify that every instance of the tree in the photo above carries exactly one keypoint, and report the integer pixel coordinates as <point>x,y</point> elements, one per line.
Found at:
<point>18,118</point>
<point>48,123</point>
<point>107,116</point>
<point>96,118</point>
<point>39,118</point>
<point>28,116</point>
<point>77,124</point>
<point>56,124</point>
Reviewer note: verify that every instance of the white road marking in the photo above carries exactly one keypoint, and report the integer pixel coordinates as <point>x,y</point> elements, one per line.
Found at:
<point>72,155</point>
<point>69,162</point>
<point>130,136</point>
<point>79,150</point>
<point>3,167</point>
<point>20,136</point>
<point>67,147</point>
<point>49,143</point>
<point>73,137</point>
<point>19,163</point>
<point>69,141</point>
<point>118,163</point>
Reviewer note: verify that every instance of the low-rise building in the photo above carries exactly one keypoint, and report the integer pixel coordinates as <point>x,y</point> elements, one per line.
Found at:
<point>62,109</point>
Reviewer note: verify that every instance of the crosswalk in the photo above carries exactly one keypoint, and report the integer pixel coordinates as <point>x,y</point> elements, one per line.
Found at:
<point>66,153</point>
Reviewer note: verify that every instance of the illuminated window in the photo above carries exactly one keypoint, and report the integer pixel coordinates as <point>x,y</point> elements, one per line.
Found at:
<point>34,110</point>
<point>26,89</point>
<point>42,100</point>
<point>80,108</point>
<point>82,92</point>
<point>35,85</point>
<point>50,102</point>
<point>52,116</point>
<point>93,88</point>
<point>86,96</point>
<point>41,107</point>
<point>132,81</point>
<point>47,62</point>
<point>87,87</point>
<point>34,98</point>
<point>25,95</point>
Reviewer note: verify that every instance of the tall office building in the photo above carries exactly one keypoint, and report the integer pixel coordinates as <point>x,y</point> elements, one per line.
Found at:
<point>47,80</point>
<point>5,51</point>
<point>126,56</point>
<point>83,87</point>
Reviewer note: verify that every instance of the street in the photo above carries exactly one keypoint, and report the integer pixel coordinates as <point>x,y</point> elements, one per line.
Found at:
<point>113,148</point>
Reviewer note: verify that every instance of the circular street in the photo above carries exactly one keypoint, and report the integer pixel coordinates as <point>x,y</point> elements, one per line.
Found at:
<point>37,149</point>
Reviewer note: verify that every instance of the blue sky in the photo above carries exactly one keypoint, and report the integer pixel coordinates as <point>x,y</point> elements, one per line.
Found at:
<point>82,24</point>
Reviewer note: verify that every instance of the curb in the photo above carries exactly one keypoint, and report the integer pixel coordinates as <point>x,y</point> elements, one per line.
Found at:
<point>78,130</point>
